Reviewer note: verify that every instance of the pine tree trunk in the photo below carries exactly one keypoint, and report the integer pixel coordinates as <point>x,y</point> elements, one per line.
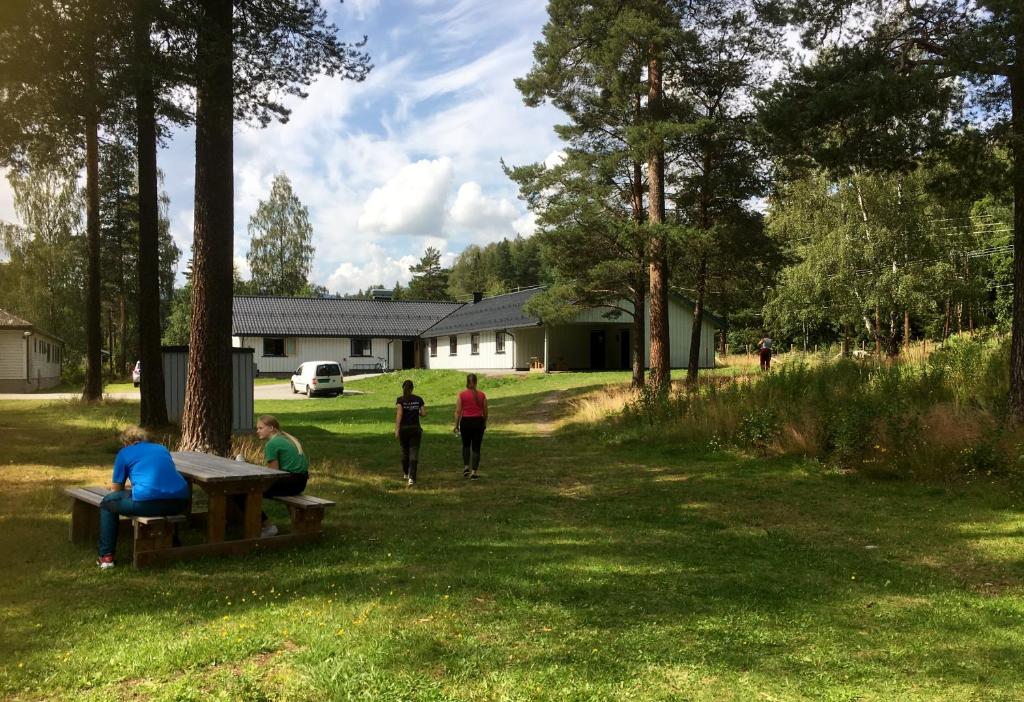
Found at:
<point>946,326</point>
<point>93,390</point>
<point>1016,81</point>
<point>661,355</point>
<point>693,363</point>
<point>636,341</point>
<point>122,343</point>
<point>906,329</point>
<point>152,406</point>
<point>206,418</point>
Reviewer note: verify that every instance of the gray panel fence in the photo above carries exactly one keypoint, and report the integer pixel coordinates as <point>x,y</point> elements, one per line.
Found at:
<point>175,360</point>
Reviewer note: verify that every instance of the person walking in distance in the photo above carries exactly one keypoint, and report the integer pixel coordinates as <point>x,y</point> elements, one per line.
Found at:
<point>765,352</point>
<point>471,421</point>
<point>409,409</point>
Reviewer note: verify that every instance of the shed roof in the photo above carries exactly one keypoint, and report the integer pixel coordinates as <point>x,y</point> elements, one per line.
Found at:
<point>10,321</point>
<point>329,316</point>
<point>498,312</point>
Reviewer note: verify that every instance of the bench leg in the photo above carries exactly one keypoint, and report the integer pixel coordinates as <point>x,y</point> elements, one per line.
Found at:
<point>253,513</point>
<point>85,522</point>
<point>306,520</point>
<point>216,517</point>
<point>150,538</point>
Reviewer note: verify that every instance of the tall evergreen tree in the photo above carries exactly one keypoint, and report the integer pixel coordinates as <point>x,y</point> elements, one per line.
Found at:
<point>59,68</point>
<point>605,64</point>
<point>280,245</point>
<point>276,47</point>
<point>429,278</point>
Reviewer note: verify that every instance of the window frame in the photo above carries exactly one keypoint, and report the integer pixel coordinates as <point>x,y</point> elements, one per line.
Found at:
<point>433,347</point>
<point>360,340</point>
<point>499,342</point>
<point>474,344</point>
<point>279,339</point>
<point>453,345</point>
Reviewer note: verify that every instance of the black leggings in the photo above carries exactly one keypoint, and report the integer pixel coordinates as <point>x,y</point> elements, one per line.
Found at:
<point>410,437</point>
<point>288,486</point>
<point>472,429</point>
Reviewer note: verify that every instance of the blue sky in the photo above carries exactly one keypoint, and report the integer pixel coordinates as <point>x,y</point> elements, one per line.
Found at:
<point>405,160</point>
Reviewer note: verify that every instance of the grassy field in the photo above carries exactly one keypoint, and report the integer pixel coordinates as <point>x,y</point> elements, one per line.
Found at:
<point>580,567</point>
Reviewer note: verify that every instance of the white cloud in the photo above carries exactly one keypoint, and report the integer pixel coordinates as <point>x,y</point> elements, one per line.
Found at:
<point>242,265</point>
<point>361,9</point>
<point>7,213</point>
<point>380,269</point>
<point>412,202</point>
<point>474,210</point>
<point>526,225</point>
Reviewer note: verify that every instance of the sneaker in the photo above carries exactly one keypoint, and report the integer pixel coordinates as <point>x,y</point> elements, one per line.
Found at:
<point>474,477</point>
<point>465,472</point>
<point>268,530</point>
<point>405,476</point>
<point>411,482</point>
<point>106,561</point>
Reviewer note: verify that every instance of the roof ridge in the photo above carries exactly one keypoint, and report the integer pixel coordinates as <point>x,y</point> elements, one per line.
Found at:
<point>344,299</point>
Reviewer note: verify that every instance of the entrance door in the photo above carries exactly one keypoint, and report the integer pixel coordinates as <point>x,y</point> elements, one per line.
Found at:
<point>408,353</point>
<point>625,350</point>
<point>597,350</point>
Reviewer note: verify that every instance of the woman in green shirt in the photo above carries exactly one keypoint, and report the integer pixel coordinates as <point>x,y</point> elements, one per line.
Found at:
<point>283,452</point>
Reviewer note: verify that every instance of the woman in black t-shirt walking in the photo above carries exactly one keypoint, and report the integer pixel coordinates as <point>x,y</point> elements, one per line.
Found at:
<point>407,429</point>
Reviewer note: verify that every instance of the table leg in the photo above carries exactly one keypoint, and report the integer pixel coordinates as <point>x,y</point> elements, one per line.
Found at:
<point>253,509</point>
<point>216,517</point>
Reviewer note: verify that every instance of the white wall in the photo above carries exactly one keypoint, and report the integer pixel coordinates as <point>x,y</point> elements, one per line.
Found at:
<point>44,371</point>
<point>308,348</point>
<point>12,355</point>
<point>487,358</point>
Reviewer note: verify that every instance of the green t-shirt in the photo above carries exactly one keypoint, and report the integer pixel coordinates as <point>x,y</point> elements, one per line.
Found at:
<point>280,448</point>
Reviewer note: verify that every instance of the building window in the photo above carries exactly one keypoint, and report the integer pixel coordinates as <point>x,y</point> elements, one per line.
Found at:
<point>499,342</point>
<point>273,346</point>
<point>453,346</point>
<point>361,347</point>
<point>474,344</point>
<point>433,346</point>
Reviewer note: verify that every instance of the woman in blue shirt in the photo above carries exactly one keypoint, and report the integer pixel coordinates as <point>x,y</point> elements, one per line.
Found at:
<point>157,488</point>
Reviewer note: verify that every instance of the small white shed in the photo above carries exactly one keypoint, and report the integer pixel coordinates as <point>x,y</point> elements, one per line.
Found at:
<point>243,375</point>
<point>30,359</point>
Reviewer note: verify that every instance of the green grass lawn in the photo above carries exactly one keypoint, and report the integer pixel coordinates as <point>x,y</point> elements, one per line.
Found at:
<point>581,567</point>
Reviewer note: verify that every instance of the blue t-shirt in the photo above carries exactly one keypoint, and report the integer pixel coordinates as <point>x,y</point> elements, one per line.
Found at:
<point>151,471</point>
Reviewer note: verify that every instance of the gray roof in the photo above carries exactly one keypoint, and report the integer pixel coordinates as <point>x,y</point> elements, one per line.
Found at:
<point>499,312</point>
<point>10,321</point>
<point>328,316</point>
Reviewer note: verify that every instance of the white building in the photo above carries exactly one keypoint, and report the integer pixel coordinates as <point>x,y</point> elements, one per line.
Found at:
<point>285,332</point>
<point>487,334</point>
<point>496,334</point>
<point>30,359</point>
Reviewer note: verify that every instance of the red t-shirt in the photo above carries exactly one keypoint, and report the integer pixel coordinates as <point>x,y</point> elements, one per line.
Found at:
<point>470,407</point>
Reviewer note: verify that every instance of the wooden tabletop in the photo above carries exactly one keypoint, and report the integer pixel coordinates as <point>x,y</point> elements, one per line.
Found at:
<point>207,468</point>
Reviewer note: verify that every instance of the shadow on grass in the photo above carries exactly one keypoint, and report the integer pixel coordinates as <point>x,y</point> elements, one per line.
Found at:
<point>628,557</point>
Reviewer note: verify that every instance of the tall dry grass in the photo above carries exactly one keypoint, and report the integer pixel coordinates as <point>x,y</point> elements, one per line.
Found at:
<point>937,411</point>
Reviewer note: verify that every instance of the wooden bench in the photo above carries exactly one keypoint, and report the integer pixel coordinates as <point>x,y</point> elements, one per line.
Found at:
<point>306,512</point>
<point>149,534</point>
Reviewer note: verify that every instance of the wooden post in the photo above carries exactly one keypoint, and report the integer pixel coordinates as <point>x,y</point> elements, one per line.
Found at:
<point>216,519</point>
<point>253,503</point>
<point>547,367</point>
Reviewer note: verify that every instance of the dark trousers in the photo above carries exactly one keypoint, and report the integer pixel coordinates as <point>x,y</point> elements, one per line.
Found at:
<point>766,359</point>
<point>472,430</point>
<point>121,502</point>
<point>410,438</point>
<point>289,485</point>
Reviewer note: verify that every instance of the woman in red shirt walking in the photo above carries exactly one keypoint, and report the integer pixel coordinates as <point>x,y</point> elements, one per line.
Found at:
<point>471,420</point>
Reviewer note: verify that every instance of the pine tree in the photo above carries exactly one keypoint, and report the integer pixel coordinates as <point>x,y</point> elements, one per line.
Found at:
<point>429,278</point>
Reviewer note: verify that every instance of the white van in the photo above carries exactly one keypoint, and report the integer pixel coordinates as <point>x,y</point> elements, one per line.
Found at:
<point>318,378</point>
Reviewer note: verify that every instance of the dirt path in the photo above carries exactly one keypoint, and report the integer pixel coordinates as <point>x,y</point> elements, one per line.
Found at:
<point>545,414</point>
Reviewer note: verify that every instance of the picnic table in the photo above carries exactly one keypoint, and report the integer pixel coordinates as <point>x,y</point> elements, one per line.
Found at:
<point>220,477</point>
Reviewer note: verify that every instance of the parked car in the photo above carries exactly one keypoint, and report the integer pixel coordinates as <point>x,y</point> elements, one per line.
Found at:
<point>318,378</point>
<point>137,373</point>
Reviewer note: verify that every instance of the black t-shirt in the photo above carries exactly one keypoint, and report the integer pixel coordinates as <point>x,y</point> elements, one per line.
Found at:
<point>410,409</point>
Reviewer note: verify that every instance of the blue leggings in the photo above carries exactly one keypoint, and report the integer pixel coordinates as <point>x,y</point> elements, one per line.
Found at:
<point>121,502</point>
